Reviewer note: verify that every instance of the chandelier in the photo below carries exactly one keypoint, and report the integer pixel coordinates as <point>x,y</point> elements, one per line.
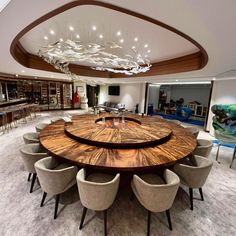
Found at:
<point>102,57</point>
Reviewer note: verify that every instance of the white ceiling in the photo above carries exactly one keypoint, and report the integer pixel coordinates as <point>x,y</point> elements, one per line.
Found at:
<point>209,22</point>
<point>163,43</point>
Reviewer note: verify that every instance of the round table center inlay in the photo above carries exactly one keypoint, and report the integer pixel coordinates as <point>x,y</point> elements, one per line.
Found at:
<point>116,132</point>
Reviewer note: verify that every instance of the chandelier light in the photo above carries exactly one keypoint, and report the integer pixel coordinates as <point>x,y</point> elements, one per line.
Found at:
<point>107,56</point>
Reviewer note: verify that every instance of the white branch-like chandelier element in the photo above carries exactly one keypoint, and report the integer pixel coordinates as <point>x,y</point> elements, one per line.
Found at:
<point>107,57</point>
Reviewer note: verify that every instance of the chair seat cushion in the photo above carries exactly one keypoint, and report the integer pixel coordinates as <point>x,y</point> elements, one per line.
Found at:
<point>99,178</point>
<point>62,166</point>
<point>152,179</point>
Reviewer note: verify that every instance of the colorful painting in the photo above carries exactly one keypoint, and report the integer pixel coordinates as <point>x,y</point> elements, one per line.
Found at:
<point>224,122</point>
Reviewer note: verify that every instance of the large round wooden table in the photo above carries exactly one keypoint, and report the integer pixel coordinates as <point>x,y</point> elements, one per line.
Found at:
<point>134,143</point>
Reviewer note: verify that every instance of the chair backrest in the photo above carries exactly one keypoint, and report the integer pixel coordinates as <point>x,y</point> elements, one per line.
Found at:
<point>193,130</point>
<point>31,138</point>
<point>203,148</point>
<point>157,197</point>
<point>194,176</point>
<point>40,126</point>
<point>31,153</point>
<point>54,181</point>
<point>97,196</point>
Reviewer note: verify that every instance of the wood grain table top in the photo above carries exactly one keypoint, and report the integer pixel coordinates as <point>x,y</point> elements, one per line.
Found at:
<point>88,141</point>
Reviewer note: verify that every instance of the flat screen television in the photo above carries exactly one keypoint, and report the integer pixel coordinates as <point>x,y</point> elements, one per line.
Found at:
<point>114,90</point>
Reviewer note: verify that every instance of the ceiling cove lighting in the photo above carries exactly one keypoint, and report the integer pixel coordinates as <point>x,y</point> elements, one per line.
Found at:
<point>3,4</point>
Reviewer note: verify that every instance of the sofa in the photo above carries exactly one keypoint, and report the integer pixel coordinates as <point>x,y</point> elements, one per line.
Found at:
<point>112,106</point>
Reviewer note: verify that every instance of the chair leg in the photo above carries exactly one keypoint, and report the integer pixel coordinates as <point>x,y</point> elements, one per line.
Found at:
<point>233,157</point>
<point>169,219</point>
<point>29,176</point>
<point>83,217</point>
<point>43,198</point>
<point>56,205</point>
<point>191,198</point>
<point>218,150</point>
<point>201,193</point>
<point>148,223</point>
<point>32,182</point>
<point>105,222</point>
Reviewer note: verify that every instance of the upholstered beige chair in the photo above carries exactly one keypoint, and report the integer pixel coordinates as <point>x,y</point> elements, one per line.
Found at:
<point>54,119</point>
<point>203,148</point>
<point>97,192</point>
<point>194,174</point>
<point>31,138</point>
<point>55,178</point>
<point>31,153</point>
<point>40,126</point>
<point>193,130</point>
<point>155,194</point>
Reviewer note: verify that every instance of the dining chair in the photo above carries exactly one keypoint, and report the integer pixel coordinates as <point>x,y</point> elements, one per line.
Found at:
<point>193,130</point>
<point>40,126</point>
<point>31,138</point>
<point>194,174</point>
<point>203,148</point>
<point>30,154</point>
<point>55,178</point>
<point>97,192</point>
<point>156,194</point>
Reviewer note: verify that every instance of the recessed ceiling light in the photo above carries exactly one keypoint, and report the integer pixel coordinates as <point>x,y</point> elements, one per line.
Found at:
<point>71,28</point>
<point>149,51</point>
<point>135,39</point>
<point>61,39</point>
<point>100,36</point>
<point>176,80</point>
<point>146,56</point>
<point>94,27</point>
<point>16,75</point>
<point>118,33</point>
<point>22,71</point>
<point>77,36</point>
<point>122,41</point>
<point>146,45</point>
<point>133,47</point>
<point>45,37</point>
<point>52,32</point>
<point>214,78</point>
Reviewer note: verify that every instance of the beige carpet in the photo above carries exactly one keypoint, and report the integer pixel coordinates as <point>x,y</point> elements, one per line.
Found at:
<point>21,215</point>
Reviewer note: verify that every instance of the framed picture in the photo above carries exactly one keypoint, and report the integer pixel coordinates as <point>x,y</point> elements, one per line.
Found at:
<point>79,89</point>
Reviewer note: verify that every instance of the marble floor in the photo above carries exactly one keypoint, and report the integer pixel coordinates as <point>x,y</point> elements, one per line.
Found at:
<point>21,215</point>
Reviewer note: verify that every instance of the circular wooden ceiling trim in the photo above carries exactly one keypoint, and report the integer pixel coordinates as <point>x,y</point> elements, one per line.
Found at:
<point>194,61</point>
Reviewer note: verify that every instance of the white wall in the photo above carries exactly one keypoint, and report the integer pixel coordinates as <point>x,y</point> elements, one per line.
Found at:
<point>223,92</point>
<point>130,95</point>
<point>191,93</point>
